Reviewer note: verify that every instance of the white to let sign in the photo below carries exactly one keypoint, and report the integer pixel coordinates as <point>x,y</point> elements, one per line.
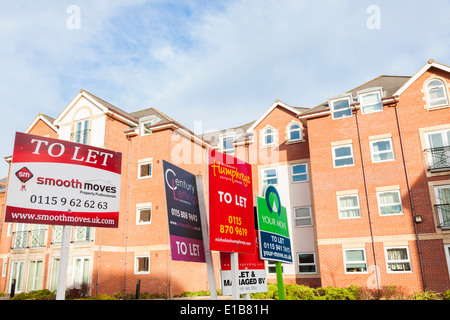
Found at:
<point>57,182</point>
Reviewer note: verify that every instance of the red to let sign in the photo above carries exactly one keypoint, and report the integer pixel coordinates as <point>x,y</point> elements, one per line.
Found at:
<point>58,182</point>
<point>231,204</point>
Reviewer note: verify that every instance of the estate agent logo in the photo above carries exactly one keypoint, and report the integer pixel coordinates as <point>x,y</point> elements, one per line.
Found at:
<point>24,175</point>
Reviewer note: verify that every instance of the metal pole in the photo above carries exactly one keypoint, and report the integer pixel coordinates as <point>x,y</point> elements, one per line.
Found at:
<point>281,295</point>
<point>63,264</point>
<point>235,276</point>
<point>205,233</point>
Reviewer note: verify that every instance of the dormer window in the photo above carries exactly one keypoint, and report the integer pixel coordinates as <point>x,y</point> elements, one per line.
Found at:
<point>436,93</point>
<point>340,107</point>
<point>145,128</point>
<point>227,144</point>
<point>370,101</point>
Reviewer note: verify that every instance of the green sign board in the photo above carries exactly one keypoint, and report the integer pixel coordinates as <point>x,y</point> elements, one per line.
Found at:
<point>275,244</point>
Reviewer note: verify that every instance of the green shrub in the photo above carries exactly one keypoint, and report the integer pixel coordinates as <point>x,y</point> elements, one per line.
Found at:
<point>44,294</point>
<point>426,295</point>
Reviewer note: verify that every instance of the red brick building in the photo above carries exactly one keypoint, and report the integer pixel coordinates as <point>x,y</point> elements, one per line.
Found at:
<point>381,182</point>
<point>364,177</point>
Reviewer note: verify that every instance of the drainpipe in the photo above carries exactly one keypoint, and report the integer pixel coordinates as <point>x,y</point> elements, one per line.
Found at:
<point>355,112</point>
<point>409,193</point>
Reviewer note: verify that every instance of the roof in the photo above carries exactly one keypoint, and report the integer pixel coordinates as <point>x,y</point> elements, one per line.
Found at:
<point>389,84</point>
<point>243,132</point>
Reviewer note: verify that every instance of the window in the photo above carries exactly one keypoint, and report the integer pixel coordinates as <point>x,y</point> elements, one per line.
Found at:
<point>83,234</point>
<point>442,194</point>
<point>80,271</point>
<point>355,261</point>
<point>227,145</point>
<point>143,214</point>
<point>142,265</point>
<point>299,172</point>
<point>371,102</point>
<point>389,202</point>
<point>54,274</point>
<point>269,176</point>
<point>302,217</point>
<point>438,143</point>
<point>340,108</point>
<point>437,93</point>
<point>306,263</point>
<point>294,132</point>
<point>268,137</point>
<point>145,127</point>
<point>272,268</point>
<point>397,260</point>
<point>17,274</point>
<point>81,132</point>
<point>34,275</point>
<point>145,169</point>
<point>348,206</point>
<point>382,150</point>
<point>5,265</point>
<point>343,156</point>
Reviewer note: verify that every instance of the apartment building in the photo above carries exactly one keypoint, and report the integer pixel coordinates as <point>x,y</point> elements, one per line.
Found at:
<point>381,182</point>
<point>364,176</point>
<point>111,259</point>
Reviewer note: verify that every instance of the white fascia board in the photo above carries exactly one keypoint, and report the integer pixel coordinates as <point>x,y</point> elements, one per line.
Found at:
<point>40,117</point>
<point>273,106</point>
<point>419,73</point>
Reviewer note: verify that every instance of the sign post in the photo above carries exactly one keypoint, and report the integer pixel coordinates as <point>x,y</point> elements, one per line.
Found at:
<point>275,244</point>
<point>63,183</point>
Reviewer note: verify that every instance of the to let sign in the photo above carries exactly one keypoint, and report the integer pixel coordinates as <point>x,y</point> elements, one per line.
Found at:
<point>275,244</point>
<point>57,182</point>
<point>230,204</point>
<point>185,229</point>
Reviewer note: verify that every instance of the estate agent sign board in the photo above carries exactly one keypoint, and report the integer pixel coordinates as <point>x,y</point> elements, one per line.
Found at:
<point>186,239</point>
<point>57,182</point>
<point>230,204</point>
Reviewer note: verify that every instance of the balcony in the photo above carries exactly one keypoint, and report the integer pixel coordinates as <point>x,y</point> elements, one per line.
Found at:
<point>78,235</point>
<point>438,159</point>
<point>443,212</point>
<point>81,136</point>
<point>28,239</point>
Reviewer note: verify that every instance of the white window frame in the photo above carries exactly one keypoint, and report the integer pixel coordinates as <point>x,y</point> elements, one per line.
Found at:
<point>262,176</point>
<point>222,146</point>
<point>355,262</point>
<point>352,156</point>
<point>398,261</point>
<point>442,86</point>
<point>361,97</point>
<point>136,264</point>
<point>445,142</point>
<point>333,101</point>
<point>439,210</point>
<point>349,208</point>
<point>289,130</point>
<point>379,193</point>
<point>143,206</point>
<point>37,281</point>
<point>306,264</point>
<point>76,273</point>
<point>84,133</point>
<point>299,174</point>
<point>20,272</point>
<point>373,153</point>
<point>303,218</point>
<point>264,134</point>
<point>447,256</point>
<point>142,163</point>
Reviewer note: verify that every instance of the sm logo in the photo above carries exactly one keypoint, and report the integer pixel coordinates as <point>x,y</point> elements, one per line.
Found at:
<point>24,175</point>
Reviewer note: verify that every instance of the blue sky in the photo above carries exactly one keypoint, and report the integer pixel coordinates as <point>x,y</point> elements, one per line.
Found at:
<point>222,62</point>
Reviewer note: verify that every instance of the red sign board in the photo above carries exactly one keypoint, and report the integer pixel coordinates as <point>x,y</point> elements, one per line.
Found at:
<point>58,182</point>
<point>230,204</point>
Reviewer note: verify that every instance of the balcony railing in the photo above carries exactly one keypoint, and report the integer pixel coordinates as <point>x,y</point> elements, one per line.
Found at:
<point>438,159</point>
<point>28,239</point>
<point>443,212</point>
<point>78,235</point>
<point>81,136</point>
